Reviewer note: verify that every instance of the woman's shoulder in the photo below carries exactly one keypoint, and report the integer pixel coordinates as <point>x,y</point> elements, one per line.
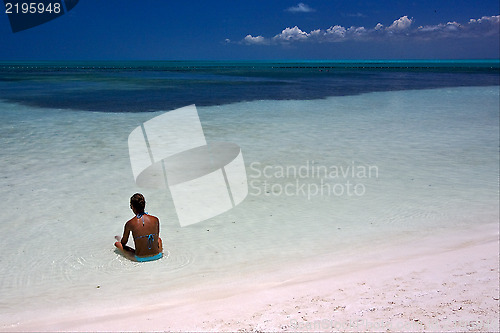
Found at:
<point>130,222</point>
<point>153,217</point>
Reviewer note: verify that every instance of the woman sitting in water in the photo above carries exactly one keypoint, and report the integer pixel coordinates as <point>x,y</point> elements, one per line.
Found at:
<point>145,230</point>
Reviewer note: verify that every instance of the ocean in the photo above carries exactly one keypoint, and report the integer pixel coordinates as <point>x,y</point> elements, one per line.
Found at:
<point>340,157</point>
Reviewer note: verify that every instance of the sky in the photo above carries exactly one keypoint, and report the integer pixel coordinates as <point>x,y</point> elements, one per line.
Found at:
<point>261,30</point>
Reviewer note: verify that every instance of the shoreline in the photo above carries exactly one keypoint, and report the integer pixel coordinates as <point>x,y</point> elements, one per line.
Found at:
<point>446,284</point>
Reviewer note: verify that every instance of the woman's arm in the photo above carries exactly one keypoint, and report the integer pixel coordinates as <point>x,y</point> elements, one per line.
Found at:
<point>124,240</point>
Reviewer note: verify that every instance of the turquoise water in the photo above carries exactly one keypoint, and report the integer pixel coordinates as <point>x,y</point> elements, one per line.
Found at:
<point>426,162</point>
<point>157,86</point>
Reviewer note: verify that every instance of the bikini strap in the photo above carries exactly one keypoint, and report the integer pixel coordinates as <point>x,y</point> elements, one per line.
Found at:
<point>141,216</point>
<point>151,239</point>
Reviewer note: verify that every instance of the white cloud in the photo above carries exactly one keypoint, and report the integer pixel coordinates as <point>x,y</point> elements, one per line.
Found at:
<point>486,25</point>
<point>441,30</point>
<point>300,8</point>
<point>399,29</point>
<point>336,31</point>
<point>357,31</point>
<point>358,14</point>
<point>494,20</point>
<point>483,27</point>
<point>401,24</point>
<point>292,34</point>
<point>249,39</point>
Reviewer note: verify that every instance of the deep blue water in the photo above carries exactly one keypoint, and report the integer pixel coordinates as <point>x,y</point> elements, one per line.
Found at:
<point>151,86</point>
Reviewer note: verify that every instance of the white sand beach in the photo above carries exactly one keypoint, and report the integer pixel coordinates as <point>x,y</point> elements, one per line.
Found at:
<point>445,284</point>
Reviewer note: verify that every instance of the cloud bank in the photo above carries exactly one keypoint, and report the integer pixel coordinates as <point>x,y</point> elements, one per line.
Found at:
<point>402,28</point>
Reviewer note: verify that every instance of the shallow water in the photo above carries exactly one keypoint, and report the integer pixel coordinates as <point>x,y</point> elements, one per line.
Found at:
<point>66,181</point>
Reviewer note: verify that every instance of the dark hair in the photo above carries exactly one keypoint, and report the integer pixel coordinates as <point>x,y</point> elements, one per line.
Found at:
<point>138,202</point>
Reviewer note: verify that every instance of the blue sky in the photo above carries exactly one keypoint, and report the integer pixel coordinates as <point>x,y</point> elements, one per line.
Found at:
<point>248,30</point>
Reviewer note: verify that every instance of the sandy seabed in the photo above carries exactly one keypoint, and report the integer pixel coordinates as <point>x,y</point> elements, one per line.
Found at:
<point>443,284</point>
